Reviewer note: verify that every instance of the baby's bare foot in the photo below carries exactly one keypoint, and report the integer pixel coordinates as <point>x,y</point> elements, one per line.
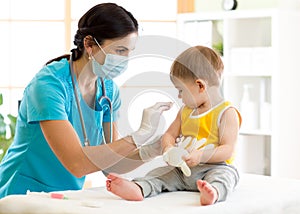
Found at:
<point>123,188</point>
<point>208,194</point>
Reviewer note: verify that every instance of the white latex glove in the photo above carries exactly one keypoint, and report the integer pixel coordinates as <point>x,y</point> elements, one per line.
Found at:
<point>190,144</point>
<point>173,157</point>
<point>150,121</point>
<point>151,149</point>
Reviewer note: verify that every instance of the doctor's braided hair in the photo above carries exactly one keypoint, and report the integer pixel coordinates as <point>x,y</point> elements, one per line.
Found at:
<point>103,21</point>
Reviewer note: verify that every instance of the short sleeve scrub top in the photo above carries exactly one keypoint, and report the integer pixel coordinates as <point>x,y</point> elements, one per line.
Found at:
<point>30,163</point>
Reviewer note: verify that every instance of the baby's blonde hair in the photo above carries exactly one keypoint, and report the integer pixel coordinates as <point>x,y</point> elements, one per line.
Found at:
<point>198,62</point>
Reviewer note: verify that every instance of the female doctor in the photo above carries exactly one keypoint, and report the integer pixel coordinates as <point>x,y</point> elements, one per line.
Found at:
<point>69,110</point>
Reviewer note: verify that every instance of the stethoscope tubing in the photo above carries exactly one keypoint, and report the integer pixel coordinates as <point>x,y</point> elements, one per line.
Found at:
<point>103,97</point>
<point>86,140</point>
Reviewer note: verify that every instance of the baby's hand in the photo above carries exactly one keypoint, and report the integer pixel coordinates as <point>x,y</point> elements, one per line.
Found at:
<point>192,159</point>
<point>195,157</point>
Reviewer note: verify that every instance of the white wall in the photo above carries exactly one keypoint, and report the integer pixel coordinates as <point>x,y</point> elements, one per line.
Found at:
<point>289,88</point>
<point>215,5</point>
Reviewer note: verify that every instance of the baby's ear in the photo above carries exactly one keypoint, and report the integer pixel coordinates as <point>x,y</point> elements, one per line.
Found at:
<point>201,84</point>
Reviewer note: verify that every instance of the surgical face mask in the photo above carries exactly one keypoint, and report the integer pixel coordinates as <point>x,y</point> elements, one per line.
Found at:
<point>113,66</point>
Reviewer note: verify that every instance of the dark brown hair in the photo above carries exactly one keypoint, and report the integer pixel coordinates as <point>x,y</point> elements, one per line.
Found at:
<point>103,21</point>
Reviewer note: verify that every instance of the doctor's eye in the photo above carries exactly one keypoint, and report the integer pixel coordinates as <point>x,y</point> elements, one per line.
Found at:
<point>122,51</point>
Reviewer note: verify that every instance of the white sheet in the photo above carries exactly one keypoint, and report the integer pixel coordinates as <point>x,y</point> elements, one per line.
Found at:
<point>255,194</point>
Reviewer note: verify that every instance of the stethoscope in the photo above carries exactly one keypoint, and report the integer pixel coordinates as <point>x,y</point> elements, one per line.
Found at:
<point>104,102</point>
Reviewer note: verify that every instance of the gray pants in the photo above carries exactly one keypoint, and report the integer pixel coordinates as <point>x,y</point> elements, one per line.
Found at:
<point>221,176</point>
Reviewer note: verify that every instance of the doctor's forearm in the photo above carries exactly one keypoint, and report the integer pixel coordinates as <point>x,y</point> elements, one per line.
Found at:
<point>108,155</point>
<point>127,164</point>
<point>66,145</point>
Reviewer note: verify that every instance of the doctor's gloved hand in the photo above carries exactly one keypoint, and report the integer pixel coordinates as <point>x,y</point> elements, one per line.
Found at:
<point>174,157</point>
<point>151,150</point>
<point>149,123</point>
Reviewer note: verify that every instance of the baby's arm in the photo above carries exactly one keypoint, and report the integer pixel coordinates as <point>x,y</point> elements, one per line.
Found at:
<point>228,135</point>
<point>168,139</point>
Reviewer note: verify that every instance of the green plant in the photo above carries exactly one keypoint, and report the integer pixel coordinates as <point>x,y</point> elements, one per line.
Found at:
<point>5,140</point>
<point>218,47</point>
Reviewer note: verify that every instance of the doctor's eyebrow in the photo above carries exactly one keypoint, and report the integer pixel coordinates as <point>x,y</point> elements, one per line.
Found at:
<point>125,48</point>
<point>121,46</point>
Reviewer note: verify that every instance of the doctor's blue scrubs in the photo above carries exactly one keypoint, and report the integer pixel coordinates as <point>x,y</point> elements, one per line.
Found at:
<point>30,164</point>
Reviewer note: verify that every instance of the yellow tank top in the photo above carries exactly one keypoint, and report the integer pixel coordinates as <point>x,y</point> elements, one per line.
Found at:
<point>205,125</point>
